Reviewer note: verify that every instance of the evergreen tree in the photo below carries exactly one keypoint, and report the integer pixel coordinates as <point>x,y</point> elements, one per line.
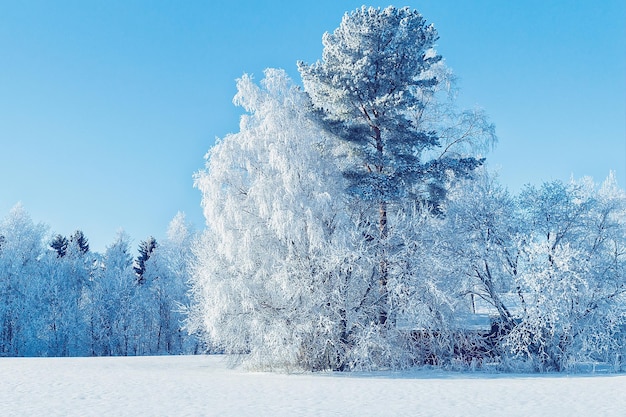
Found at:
<point>146,247</point>
<point>375,89</point>
<point>81,241</point>
<point>59,244</point>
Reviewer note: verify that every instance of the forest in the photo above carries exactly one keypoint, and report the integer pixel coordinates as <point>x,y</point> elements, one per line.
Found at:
<point>58,298</point>
<point>351,224</point>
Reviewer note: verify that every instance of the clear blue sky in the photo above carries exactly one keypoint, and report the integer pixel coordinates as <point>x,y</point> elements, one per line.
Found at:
<point>107,108</point>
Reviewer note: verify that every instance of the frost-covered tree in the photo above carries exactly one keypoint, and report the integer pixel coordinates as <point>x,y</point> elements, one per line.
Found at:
<point>59,244</point>
<point>113,311</point>
<point>22,246</point>
<point>481,231</point>
<point>62,294</point>
<point>81,242</point>
<point>162,293</point>
<point>146,247</point>
<point>275,268</point>
<point>573,259</point>
<point>376,89</point>
<point>168,273</point>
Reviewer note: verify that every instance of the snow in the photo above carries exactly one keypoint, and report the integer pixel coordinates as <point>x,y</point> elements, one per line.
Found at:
<point>206,386</point>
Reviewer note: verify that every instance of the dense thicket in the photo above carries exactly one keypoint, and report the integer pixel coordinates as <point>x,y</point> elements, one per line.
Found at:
<point>350,226</point>
<point>57,298</point>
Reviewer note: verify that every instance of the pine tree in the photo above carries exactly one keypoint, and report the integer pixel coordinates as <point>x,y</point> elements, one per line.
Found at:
<point>81,241</point>
<point>59,244</point>
<point>146,247</point>
<point>375,89</point>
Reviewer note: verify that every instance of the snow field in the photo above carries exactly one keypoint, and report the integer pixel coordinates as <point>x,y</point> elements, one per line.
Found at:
<point>206,386</point>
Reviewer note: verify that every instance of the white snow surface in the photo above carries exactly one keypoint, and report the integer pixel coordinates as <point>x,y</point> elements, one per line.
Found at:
<point>207,386</point>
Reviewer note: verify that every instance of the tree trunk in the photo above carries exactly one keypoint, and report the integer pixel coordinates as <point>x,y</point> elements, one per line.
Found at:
<point>383,229</point>
<point>383,263</point>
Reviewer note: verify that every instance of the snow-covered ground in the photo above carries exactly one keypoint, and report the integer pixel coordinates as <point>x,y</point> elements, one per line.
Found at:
<point>206,386</point>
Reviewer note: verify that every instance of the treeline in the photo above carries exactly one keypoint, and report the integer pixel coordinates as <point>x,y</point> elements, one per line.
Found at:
<point>58,298</point>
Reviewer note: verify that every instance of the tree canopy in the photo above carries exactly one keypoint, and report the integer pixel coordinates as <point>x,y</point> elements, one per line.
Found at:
<point>351,225</point>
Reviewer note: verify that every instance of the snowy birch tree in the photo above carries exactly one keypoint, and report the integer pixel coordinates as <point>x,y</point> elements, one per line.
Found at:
<point>22,245</point>
<point>163,291</point>
<point>60,304</point>
<point>276,275</point>
<point>114,315</point>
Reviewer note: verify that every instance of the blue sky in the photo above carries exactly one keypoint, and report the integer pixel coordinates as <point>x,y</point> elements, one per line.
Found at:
<point>108,108</point>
